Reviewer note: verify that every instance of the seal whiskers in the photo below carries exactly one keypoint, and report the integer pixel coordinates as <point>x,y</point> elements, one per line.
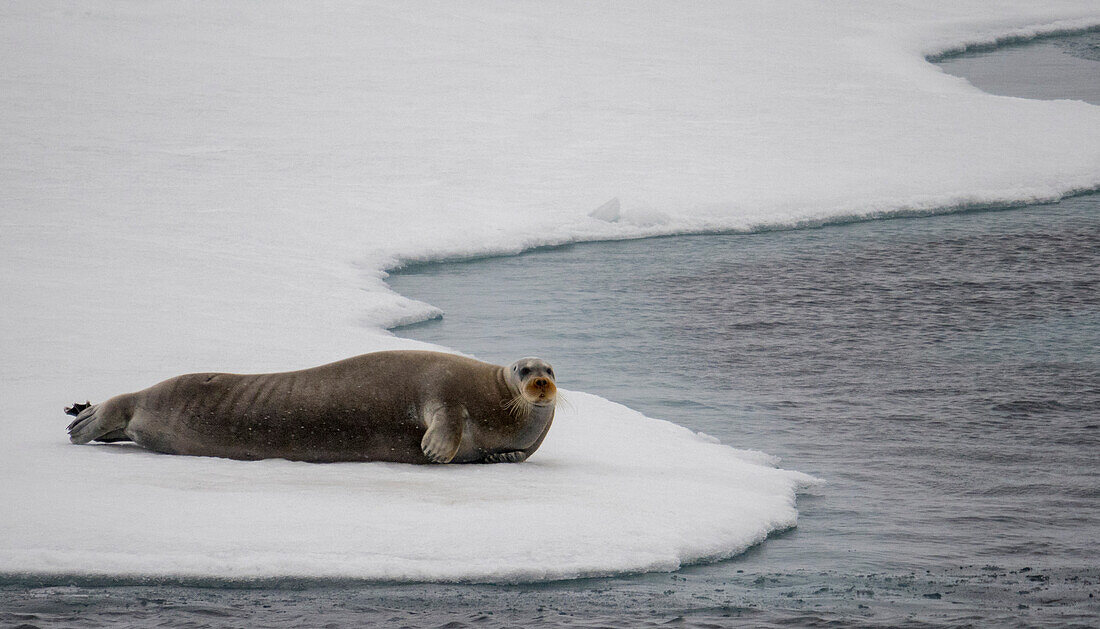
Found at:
<point>518,406</point>
<point>561,401</point>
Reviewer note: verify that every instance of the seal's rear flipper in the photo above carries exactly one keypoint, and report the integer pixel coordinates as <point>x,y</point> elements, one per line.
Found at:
<point>99,422</point>
<point>111,437</point>
<point>75,409</point>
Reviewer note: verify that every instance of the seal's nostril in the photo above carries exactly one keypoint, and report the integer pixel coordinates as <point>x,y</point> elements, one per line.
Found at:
<point>541,382</point>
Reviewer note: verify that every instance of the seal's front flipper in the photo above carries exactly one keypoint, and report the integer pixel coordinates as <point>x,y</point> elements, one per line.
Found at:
<point>518,456</point>
<point>441,441</point>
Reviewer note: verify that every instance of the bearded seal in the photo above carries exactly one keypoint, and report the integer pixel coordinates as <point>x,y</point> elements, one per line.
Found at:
<point>399,406</point>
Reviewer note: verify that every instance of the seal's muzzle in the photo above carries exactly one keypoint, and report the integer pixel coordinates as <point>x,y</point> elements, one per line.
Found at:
<point>540,390</point>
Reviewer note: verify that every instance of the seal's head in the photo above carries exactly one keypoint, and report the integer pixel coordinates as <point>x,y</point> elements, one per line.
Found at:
<point>533,380</point>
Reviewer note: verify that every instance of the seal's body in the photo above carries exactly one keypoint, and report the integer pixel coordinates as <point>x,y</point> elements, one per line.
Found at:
<point>401,406</point>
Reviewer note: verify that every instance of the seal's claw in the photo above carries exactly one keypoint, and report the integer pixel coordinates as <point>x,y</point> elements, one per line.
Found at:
<point>435,457</point>
<point>518,456</point>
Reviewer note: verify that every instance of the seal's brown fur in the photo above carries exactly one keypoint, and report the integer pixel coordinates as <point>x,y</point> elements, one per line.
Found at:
<point>401,406</point>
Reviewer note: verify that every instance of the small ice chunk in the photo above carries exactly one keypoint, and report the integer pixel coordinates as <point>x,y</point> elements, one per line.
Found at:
<point>608,211</point>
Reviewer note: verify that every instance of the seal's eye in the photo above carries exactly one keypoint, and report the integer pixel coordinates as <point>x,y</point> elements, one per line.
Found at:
<point>523,372</point>
<point>551,372</point>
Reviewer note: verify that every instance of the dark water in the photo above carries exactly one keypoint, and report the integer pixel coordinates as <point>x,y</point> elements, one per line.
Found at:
<point>1046,68</point>
<point>942,373</point>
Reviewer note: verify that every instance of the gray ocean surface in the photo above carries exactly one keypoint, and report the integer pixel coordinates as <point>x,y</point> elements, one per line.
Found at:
<point>941,373</point>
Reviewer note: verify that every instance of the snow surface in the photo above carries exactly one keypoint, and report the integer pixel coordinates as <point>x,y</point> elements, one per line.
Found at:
<point>223,186</point>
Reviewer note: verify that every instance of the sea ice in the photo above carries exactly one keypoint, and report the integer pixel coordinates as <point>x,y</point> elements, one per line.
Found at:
<point>215,187</point>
